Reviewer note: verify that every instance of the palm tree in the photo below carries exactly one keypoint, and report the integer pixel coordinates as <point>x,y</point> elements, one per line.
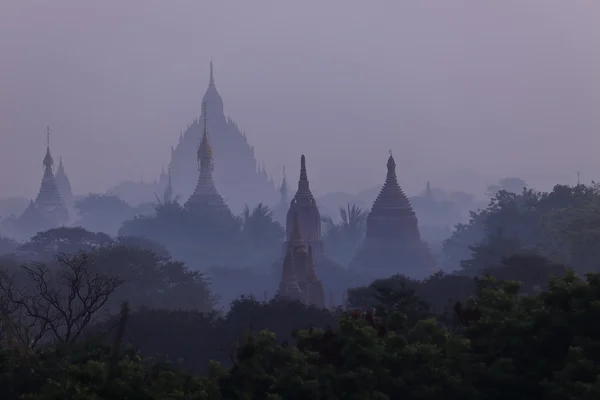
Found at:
<point>342,239</point>
<point>354,220</point>
<point>259,226</point>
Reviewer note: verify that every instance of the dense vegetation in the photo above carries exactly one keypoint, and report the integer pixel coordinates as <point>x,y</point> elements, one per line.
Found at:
<point>87,316</point>
<point>499,344</point>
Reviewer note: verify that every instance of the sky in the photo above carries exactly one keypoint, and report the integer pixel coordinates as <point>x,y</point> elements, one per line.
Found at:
<point>463,92</point>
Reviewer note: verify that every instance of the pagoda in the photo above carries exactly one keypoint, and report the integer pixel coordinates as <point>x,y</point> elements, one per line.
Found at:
<point>299,280</point>
<point>303,230</point>
<point>63,183</point>
<point>240,179</point>
<point>205,197</point>
<point>304,205</point>
<point>48,210</point>
<point>393,243</point>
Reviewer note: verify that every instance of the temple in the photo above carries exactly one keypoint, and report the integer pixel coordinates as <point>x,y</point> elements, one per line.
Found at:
<point>205,196</point>
<point>280,210</point>
<point>303,231</point>
<point>283,190</point>
<point>48,210</point>
<point>304,205</point>
<point>63,183</point>
<point>299,280</point>
<point>239,178</point>
<point>393,242</point>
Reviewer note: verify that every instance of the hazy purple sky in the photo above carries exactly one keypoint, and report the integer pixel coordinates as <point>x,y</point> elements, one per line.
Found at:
<point>446,84</point>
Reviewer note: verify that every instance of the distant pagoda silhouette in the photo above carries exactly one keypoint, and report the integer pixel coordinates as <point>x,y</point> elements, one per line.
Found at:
<point>205,196</point>
<point>304,205</point>
<point>299,280</point>
<point>393,243</point>
<point>48,210</point>
<point>63,183</point>
<point>236,174</point>
<point>304,247</point>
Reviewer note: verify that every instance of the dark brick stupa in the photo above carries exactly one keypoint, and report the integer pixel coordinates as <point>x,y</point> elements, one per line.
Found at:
<point>393,243</point>
<point>299,280</point>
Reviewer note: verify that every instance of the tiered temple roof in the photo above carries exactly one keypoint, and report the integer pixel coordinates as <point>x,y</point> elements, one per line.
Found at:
<point>299,280</point>
<point>49,201</point>
<point>237,175</point>
<point>63,183</point>
<point>305,206</point>
<point>393,242</point>
<point>205,195</point>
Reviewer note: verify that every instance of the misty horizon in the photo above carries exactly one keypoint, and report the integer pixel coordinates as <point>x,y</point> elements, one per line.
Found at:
<point>492,90</point>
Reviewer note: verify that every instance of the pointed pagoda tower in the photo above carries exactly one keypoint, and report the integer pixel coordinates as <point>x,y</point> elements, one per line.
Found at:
<point>393,242</point>
<point>283,190</point>
<point>237,174</point>
<point>299,280</point>
<point>205,196</point>
<point>305,206</point>
<point>48,210</point>
<point>428,192</point>
<point>63,183</point>
<point>49,201</point>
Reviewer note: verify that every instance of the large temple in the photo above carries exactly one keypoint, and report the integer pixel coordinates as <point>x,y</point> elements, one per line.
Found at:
<point>237,175</point>
<point>48,210</point>
<point>393,243</point>
<point>205,195</point>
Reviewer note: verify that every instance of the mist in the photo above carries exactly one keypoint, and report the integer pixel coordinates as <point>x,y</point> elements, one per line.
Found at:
<point>463,92</point>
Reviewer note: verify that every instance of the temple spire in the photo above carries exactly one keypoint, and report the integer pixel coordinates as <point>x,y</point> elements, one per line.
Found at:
<point>205,193</point>
<point>303,185</point>
<point>428,192</point>
<point>212,75</point>
<point>391,166</point>
<point>205,151</point>
<point>48,161</point>
<point>283,189</point>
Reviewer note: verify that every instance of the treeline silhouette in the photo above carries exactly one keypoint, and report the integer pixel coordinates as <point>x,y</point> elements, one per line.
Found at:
<point>84,315</point>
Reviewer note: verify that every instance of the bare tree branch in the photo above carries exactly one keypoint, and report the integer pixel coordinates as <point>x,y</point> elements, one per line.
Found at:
<point>61,303</point>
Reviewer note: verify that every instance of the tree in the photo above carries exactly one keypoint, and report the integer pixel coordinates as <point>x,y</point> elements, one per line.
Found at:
<point>261,229</point>
<point>202,239</point>
<point>490,253</point>
<point>103,212</point>
<point>343,239</point>
<point>54,304</point>
<point>511,185</point>
<point>153,280</point>
<point>65,240</point>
